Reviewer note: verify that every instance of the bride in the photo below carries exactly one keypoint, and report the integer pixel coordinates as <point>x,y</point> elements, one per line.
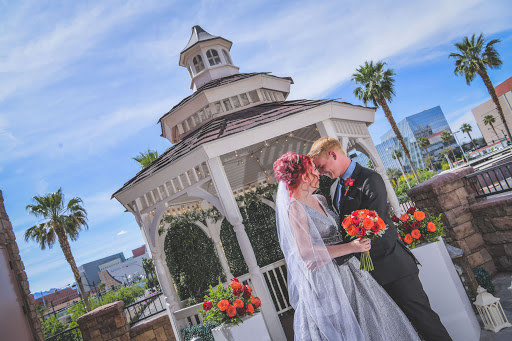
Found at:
<point>335,302</point>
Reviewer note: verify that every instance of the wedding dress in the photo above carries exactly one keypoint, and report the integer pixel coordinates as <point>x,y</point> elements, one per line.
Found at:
<point>332,302</point>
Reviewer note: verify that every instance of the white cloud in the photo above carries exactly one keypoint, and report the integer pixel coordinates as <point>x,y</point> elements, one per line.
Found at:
<point>122,232</point>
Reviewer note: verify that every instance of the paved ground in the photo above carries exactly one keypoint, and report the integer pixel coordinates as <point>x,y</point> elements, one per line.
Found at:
<point>501,283</point>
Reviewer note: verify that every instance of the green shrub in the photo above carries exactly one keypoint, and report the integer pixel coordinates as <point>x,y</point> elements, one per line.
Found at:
<point>484,279</point>
<point>203,331</point>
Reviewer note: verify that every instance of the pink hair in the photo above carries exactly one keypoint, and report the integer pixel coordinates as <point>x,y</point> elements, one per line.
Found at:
<point>290,167</point>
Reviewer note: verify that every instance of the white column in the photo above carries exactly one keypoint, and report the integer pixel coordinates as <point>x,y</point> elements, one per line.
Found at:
<point>379,168</point>
<point>215,234</point>
<point>327,128</point>
<point>233,215</point>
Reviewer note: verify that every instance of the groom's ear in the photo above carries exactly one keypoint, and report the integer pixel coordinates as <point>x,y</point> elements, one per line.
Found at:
<point>333,154</point>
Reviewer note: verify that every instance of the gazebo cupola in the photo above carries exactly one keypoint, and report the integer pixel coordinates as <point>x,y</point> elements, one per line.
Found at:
<point>206,57</point>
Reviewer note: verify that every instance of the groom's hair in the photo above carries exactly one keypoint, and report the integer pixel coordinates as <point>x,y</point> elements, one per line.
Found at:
<point>324,145</point>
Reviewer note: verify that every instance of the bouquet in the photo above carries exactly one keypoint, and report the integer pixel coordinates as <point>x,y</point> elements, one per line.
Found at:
<point>364,224</point>
<point>416,227</point>
<point>230,303</point>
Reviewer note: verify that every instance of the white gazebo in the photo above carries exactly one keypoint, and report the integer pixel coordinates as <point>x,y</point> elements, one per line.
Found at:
<point>226,136</point>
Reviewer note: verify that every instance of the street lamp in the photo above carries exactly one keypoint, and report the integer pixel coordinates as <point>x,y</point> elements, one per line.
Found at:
<point>462,150</point>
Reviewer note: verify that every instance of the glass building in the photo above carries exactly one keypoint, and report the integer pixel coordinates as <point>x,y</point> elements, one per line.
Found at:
<point>430,123</point>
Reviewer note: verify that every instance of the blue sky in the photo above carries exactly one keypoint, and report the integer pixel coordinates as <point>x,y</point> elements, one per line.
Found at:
<point>82,86</point>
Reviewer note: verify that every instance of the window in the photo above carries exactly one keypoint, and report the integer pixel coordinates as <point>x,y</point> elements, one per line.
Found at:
<point>236,101</point>
<point>244,99</point>
<point>226,56</point>
<point>227,104</point>
<point>218,107</point>
<point>213,57</point>
<point>254,96</point>
<point>198,63</point>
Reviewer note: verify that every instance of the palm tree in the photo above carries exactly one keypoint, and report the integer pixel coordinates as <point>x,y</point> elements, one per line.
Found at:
<point>474,58</point>
<point>378,88</point>
<point>423,142</point>
<point>490,120</point>
<point>396,155</point>
<point>447,137</point>
<point>149,268</point>
<point>145,158</point>
<point>466,128</point>
<point>61,220</point>
<point>393,174</point>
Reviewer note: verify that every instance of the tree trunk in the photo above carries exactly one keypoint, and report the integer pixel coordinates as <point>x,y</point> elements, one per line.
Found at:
<point>453,154</point>
<point>495,133</point>
<point>430,160</point>
<point>66,249</point>
<point>402,167</point>
<point>474,145</point>
<point>492,92</point>
<point>382,102</point>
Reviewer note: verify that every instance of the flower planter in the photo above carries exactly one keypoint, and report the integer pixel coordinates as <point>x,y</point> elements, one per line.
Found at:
<point>253,329</point>
<point>446,293</point>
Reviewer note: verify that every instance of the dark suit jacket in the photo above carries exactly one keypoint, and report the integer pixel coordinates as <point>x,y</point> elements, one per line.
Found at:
<point>391,258</point>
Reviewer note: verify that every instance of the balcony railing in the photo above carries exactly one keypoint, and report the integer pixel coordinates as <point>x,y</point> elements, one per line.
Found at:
<point>145,308</point>
<point>71,334</point>
<point>492,181</point>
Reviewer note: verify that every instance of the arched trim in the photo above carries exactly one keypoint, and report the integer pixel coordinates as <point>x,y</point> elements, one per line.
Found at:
<point>227,57</point>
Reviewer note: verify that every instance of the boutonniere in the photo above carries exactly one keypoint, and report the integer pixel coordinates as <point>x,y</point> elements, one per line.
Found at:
<point>348,183</point>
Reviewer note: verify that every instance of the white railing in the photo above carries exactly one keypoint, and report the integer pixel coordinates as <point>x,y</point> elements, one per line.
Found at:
<point>275,277</point>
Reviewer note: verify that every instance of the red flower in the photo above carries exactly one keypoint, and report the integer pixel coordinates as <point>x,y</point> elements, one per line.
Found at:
<point>372,214</point>
<point>416,225</point>
<point>238,303</point>
<point>408,239</point>
<point>237,291</point>
<point>246,291</point>
<point>234,280</point>
<point>431,227</point>
<point>240,311</point>
<point>416,234</point>
<point>360,231</point>
<point>375,228</point>
<point>406,226</point>
<point>223,305</point>
<point>250,308</point>
<point>419,215</point>
<point>236,285</point>
<point>349,182</point>
<point>231,311</point>
<point>355,220</point>
<point>395,219</point>
<point>411,210</point>
<point>404,217</point>
<point>354,214</point>
<point>207,305</point>
<point>256,302</point>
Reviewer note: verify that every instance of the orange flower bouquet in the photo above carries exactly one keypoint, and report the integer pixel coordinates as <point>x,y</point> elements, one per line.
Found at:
<point>416,227</point>
<point>364,224</point>
<point>229,304</point>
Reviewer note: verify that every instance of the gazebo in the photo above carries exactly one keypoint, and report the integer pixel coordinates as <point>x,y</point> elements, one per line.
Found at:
<point>226,136</point>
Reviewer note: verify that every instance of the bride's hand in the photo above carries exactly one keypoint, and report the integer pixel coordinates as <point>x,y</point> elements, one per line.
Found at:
<point>361,245</point>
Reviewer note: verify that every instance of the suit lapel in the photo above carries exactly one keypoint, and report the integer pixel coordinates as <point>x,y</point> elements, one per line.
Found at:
<point>354,176</point>
<point>334,186</point>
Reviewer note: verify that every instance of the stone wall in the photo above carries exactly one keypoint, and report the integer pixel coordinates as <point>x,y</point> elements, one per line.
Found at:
<point>453,196</point>
<point>493,217</point>
<point>23,301</point>
<point>108,323</point>
<point>153,329</point>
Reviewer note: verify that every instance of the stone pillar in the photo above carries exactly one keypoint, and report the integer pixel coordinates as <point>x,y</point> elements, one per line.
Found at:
<point>105,323</point>
<point>452,195</point>
<point>232,214</point>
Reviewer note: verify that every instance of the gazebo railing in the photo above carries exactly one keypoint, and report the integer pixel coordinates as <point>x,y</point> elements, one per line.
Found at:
<point>493,180</point>
<point>275,276</point>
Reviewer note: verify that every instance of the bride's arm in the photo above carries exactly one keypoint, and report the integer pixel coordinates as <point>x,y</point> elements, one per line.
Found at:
<point>355,246</point>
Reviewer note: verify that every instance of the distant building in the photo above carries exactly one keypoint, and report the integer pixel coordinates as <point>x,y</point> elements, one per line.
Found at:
<point>430,123</point>
<point>89,272</point>
<point>139,251</point>
<point>127,271</point>
<point>110,281</point>
<point>504,93</point>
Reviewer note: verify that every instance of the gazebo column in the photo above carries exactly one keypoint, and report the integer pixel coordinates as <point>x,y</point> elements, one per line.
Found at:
<point>327,128</point>
<point>214,229</point>
<point>232,214</point>
<point>381,169</point>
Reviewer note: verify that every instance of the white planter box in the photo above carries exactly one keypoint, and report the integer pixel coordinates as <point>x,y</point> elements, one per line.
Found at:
<point>446,293</point>
<point>253,329</point>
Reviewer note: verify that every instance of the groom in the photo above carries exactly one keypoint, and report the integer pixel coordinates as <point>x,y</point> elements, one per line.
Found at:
<point>395,266</point>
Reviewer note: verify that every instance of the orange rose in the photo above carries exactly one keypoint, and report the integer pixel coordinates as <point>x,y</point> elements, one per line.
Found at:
<point>256,302</point>
<point>408,239</point>
<point>367,223</point>
<point>419,215</point>
<point>404,217</point>
<point>416,234</point>
<point>238,303</point>
<point>347,221</point>
<point>381,223</point>
<point>236,285</point>
<point>351,230</point>
<point>223,305</point>
<point>431,227</point>
<point>231,311</point>
<point>250,308</point>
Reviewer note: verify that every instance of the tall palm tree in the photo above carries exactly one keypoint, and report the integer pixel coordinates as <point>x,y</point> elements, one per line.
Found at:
<point>397,155</point>
<point>474,56</point>
<point>61,220</point>
<point>447,137</point>
<point>377,86</point>
<point>393,174</point>
<point>145,158</point>
<point>490,120</point>
<point>423,142</point>
<point>466,128</point>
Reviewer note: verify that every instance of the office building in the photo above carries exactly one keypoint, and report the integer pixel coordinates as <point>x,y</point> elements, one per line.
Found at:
<point>89,272</point>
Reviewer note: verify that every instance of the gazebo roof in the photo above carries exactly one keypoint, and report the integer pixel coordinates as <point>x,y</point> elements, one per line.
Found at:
<point>198,35</point>
<point>225,126</point>
<point>216,83</point>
